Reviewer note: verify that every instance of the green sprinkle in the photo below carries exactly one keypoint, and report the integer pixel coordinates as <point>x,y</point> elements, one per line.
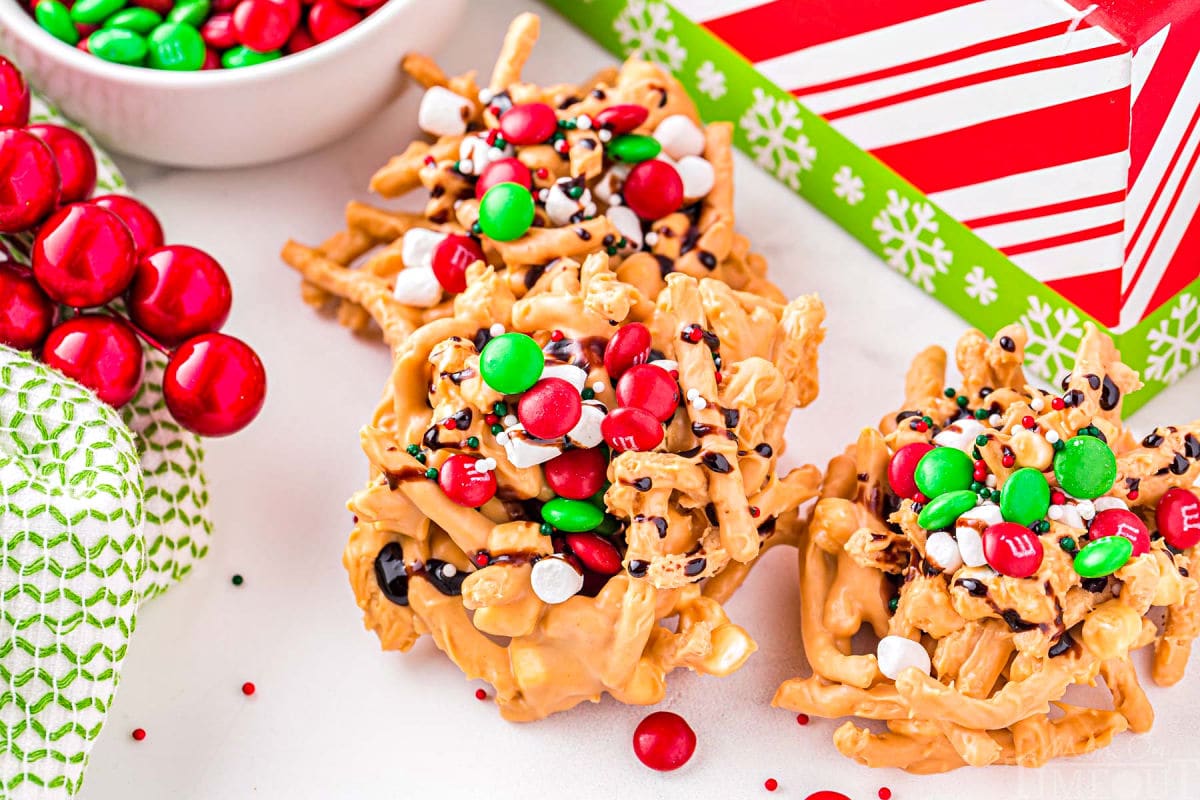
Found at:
<point>950,392</point>
<point>981,440</point>
<point>412,449</point>
<point>612,251</point>
<point>545,529</point>
<point>472,441</point>
<point>497,429</point>
<point>981,413</point>
<point>421,458</point>
<point>575,192</point>
<point>1059,445</point>
<point>1068,544</point>
<point>893,604</point>
<point>476,228</point>
<point>431,473</point>
<point>962,401</point>
<point>976,486</point>
<point>500,409</point>
<point>237,580</point>
<point>588,393</point>
<point>996,495</point>
<point>1043,527</point>
<point>928,420</point>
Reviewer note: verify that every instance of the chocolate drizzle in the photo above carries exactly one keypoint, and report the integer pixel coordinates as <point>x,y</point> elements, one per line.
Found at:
<point>585,353</point>
<point>391,574</point>
<point>716,462</point>
<point>1110,396</point>
<point>1152,440</point>
<point>764,450</point>
<point>732,417</point>
<point>695,567</point>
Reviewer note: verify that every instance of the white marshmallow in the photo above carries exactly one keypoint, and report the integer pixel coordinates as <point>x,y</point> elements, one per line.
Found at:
<point>418,245</point>
<point>443,113</point>
<point>1086,509</point>
<point>627,224</point>
<point>611,182</point>
<point>896,654</point>
<point>1068,515</point>
<point>960,435</point>
<point>586,433</point>
<point>942,551</point>
<point>697,175</point>
<point>562,209</point>
<point>666,363</point>
<point>417,286</point>
<point>555,580</point>
<point>970,543</point>
<point>680,137</point>
<point>1105,503</point>
<point>525,451</point>
<point>474,154</point>
<point>567,372</point>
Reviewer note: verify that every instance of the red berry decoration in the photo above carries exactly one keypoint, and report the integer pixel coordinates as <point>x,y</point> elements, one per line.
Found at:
<point>29,181</point>
<point>664,741</point>
<point>76,162</point>
<point>595,552</point>
<point>576,474</point>
<point>143,225</point>
<point>464,484</point>
<point>502,170</point>
<point>265,25</point>
<point>1121,522</point>
<point>902,468</point>
<point>99,351</point>
<point>550,408</point>
<point>653,189</point>
<point>1178,518</point>
<point>14,96</point>
<point>651,388</point>
<point>83,256</point>
<point>214,385</point>
<point>528,123</point>
<point>1012,549</point>
<point>26,313</point>
<point>451,259</point>
<point>621,118</point>
<point>629,345</point>
<point>328,18</point>
<point>631,429</point>
<point>179,292</point>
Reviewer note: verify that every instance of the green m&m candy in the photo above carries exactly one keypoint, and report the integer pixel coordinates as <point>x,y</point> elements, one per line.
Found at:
<point>93,12</point>
<point>511,362</point>
<point>943,469</point>
<point>176,46</point>
<point>1025,496</point>
<point>56,20</point>
<point>189,12</point>
<point>1103,556</point>
<point>1085,467</point>
<point>506,211</point>
<point>943,510</point>
<point>242,56</point>
<point>633,148</point>
<point>572,516</point>
<point>118,45</point>
<point>138,20</point>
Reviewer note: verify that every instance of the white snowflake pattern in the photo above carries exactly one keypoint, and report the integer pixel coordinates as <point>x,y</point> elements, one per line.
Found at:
<point>1175,343</point>
<point>981,286</point>
<point>1054,335</point>
<point>645,29</point>
<point>848,186</point>
<point>777,142</point>
<point>908,232</point>
<point>710,80</point>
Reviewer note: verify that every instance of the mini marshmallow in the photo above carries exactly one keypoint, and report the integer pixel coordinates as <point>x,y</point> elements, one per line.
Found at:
<point>1068,515</point>
<point>1086,509</point>
<point>665,363</point>
<point>443,113</point>
<point>680,137</point>
<point>417,286</point>
<point>942,551</point>
<point>610,184</point>
<point>525,451</point>
<point>567,372</point>
<point>474,154</point>
<point>697,175</point>
<point>627,224</point>
<point>555,580</point>
<point>896,654</point>
<point>562,209</point>
<point>586,433</point>
<point>970,543</point>
<point>960,435</point>
<point>1106,503</point>
<point>418,245</point>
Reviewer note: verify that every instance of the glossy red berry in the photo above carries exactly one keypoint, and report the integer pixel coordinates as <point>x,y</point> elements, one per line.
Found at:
<point>651,388</point>
<point>902,468</point>
<point>576,474</point>
<point>214,385</point>
<point>502,170</point>
<point>83,256</point>
<point>664,741</point>
<point>328,18</point>
<point>75,159</point>
<point>145,228</point>
<point>179,292</point>
<point>595,553</point>
<point>464,484</point>
<point>99,351</point>
<point>653,189</point>
<point>14,96</point>
<point>29,180</point>
<point>265,25</point>
<point>452,257</point>
<point>26,313</point>
<point>629,345</point>
<point>528,123</point>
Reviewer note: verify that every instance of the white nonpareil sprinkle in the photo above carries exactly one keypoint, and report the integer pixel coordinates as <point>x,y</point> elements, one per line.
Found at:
<point>511,420</point>
<point>605,134</point>
<point>692,394</point>
<point>1052,436</point>
<point>583,122</point>
<point>555,580</point>
<point>502,438</point>
<point>699,403</point>
<point>896,654</point>
<point>1108,503</point>
<point>496,330</point>
<point>991,481</point>
<point>942,551</point>
<point>1055,513</point>
<point>485,464</point>
<point>994,420</point>
<point>651,238</point>
<point>466,166</point>
<point>1086,509</point>
<point>485,96</point>
<point>1037,404</point>
<point>543,194</point>
<point>449,570</point>
<point>615,200</point>
<point>598,387</point>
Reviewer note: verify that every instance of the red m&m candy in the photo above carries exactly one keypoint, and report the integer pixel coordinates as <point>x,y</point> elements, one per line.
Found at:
<point>550,408</point>
<point>464,484</point>
<point>502,170</point>
<point>328,18</point>
<point>1178,518</point>
<point>83,256</point>
<point>1121,522</point>
<point>76,163</point>
<point>14,96</point>
<point>595,552</point>
<point>1012,549</point>
<point>631,429</point>
<point>621,118</point>
<point>218,31</point>
<point>664,741</point>
<point>903,467</point>
<point>576,474</point>
<point>629,345</point>
<point>451,259</point>
<point>650,388</point>
<point>653,189</point>
<point>528,123</point>
<point>143,225</point>
<point>265,25</point>
<point>29,178</point>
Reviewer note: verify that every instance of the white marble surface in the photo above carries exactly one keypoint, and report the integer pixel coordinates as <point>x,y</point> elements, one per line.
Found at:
<point>334,717</point>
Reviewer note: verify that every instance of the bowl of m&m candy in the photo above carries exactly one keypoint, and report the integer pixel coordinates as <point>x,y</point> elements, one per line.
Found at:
<point>220,83</point>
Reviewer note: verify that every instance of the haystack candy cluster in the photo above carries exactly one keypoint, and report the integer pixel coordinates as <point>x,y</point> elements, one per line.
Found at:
<point>518,175</point>
<point>85,280</point>
<point>1003,543</point>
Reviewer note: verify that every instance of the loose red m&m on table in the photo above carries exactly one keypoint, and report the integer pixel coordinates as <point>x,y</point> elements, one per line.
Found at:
<point>1012,549</point>
<point>653,189</point>
<point>631,429</point>
<point>550,408</point>
<point>650,388</point>
<point>1121,522</point>
<point>577,474</point>
<point>451,259</point>
<point>664,741</point>
<point>464,483</point>
<point>528,123</point>
<point>630,345</point>
<point>903,467</point>
<point>30,179</point>
<point>76,163</point>
<point>84,256</point>
<point>1178,518</point>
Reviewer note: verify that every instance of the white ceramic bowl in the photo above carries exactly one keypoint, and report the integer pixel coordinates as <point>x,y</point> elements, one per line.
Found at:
<point>235,117</point>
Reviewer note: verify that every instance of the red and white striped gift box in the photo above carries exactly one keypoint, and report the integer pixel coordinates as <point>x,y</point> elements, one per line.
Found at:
<point>1064,134</point>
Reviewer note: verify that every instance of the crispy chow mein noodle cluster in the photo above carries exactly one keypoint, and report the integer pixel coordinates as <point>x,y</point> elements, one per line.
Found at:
<point>519,176</point>
<point>1004,543</point>
<point>553,476</point>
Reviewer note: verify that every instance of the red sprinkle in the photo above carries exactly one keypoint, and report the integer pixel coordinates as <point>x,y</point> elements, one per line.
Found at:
<point>139,734</point>
<point>448,424</point>
<point>490,419</point>
<point>1058,404</point>
<point>717,375</point>
<point>248,688</point>
<point>1133,495</point>
<point>695,334</point>
<point>481,559</point>
<point>885,794</point>
<point>556,336</point>
<point>1029,422</point>
<point>542,172</point>
<point>770,784</point>
<point>1008,461</point>
<point>1057,498</point>
<point>922,426</point>
<point>802,719</point>
<point>755,511</point>
<point>480,694</point>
